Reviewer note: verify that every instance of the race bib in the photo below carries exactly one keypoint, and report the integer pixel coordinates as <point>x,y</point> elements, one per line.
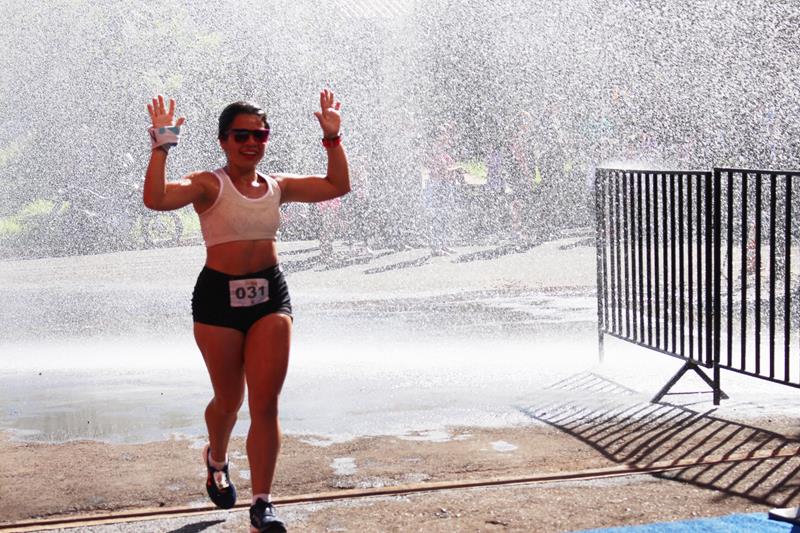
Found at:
<point>248,292</point>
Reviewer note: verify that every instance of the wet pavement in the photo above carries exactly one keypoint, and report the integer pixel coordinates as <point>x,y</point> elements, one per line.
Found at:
<point>100,347</point>
<point>88,342</point>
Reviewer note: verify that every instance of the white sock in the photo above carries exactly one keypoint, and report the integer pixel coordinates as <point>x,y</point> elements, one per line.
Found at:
<point>266,497</point>
<point>216,464</point>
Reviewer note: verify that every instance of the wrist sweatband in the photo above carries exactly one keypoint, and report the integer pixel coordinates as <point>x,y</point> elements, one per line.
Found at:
<point>164,137</point>
<point>331,142</point>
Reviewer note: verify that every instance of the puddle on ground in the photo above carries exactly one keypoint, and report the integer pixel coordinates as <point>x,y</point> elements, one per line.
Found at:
<point>503,446</point>
<point>344,466</point>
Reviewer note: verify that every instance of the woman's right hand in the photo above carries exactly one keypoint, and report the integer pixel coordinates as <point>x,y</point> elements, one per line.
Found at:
<point>157,193</point>
<point>161,116</point>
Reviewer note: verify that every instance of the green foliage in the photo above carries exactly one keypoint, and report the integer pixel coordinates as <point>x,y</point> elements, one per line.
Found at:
<point>9,152</point>
<point>25,217</point>
<point>475,167</point>
<point>35,208</point>
<point>476,171</point>
<point>9,226</point>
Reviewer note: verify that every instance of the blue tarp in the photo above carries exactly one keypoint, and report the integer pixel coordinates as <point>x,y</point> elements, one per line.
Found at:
<point>737,523</point>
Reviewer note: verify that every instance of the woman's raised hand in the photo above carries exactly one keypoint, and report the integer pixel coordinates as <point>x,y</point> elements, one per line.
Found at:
<point>161,116</point>
<point>328,116</point>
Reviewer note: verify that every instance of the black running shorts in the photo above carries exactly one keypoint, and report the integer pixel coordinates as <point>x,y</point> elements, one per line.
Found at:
<point>238,301</point>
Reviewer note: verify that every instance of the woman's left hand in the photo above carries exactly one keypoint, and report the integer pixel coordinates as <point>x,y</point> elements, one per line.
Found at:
<point>329,117</point>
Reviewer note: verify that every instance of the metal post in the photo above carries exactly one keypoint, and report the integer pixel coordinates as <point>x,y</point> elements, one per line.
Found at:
<point>599,192</point>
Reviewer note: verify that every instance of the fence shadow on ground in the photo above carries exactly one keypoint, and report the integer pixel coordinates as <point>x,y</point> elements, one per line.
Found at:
<point>626,428</point>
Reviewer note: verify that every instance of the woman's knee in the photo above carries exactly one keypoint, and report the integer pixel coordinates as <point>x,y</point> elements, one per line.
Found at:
<point>227,405</point>
<point>265,407</point>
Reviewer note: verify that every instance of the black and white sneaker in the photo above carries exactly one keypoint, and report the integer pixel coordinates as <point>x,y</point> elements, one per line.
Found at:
<point>218,483</point>
<point>263,518</point>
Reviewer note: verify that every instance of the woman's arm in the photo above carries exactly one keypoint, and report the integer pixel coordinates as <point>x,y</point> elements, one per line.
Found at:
<point>157,193</point>
<point>161,195</point>
<point>337,180</point>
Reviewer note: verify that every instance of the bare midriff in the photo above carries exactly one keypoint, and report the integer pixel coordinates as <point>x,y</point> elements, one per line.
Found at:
<point>242,257</point>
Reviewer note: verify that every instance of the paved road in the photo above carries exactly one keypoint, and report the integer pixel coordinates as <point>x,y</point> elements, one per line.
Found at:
<point>413,337</point>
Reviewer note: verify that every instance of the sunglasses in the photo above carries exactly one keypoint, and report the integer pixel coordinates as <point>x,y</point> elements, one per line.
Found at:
<point>241,135</point>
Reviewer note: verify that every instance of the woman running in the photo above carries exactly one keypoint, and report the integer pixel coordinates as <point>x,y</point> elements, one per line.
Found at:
<point>240,306</point>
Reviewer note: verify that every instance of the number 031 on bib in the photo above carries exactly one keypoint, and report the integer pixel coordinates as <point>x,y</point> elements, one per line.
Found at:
<point>248,292</point>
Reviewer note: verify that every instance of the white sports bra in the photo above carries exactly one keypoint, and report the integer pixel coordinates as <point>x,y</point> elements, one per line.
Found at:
<point>234,217</point>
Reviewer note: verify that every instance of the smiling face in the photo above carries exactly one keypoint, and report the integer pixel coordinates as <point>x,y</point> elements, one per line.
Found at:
<point>248,153</point>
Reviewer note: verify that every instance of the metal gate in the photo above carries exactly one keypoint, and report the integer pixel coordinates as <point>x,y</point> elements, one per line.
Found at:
<point>759,273</point>
<point>680,269</point>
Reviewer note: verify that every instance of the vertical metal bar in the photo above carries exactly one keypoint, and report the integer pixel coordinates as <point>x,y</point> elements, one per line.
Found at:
<point>682,261</point>
<point>690,262</point>
<point>665,247</point>
<point>672,243</point>
<point>716,297</point>
<point>617,257</point>
<point>709,272</point>
<point>648,200</point>
<point>626,245</point>
<point>700,281</point>
<point>787,276</point>
<point>772,273</point>
<point>656,263</point>
<point>757,286</point>
<point>729,311</point>
<point>640,277</point>
<point>599,220</point>
<point>614,250</point>
<point>745,240</point>
<point>634,265</point>
<point>606,255</point>
<point>611,317</point>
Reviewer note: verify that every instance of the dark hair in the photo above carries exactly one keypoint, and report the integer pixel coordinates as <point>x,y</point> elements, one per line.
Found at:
<point>238,108</point>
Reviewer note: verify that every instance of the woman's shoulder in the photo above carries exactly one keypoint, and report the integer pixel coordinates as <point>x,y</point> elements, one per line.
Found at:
<point>202,176</point>
<point>207,181</point>
<point>202,173</point>
<point>283,176</point>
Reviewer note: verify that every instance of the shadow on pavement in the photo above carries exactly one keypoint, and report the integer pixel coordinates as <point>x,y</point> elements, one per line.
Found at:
<point>197,526</point>
<point>494,253</point>
<point>577,244</point>
<point>299,251</point>
<point>420,261</point>
<point>300,264</point>
<point>344,260</point>
<point>615,421</point>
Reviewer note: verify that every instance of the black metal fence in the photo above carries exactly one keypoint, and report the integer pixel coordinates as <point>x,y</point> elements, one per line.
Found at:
<point>698,265</point>
<point>758,289</point>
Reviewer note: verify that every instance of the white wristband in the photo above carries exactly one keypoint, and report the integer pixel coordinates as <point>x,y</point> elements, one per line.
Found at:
<point>164,137</point>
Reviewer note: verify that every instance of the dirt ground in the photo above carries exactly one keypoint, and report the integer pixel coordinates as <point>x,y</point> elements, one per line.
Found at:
<point>77,478</point>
